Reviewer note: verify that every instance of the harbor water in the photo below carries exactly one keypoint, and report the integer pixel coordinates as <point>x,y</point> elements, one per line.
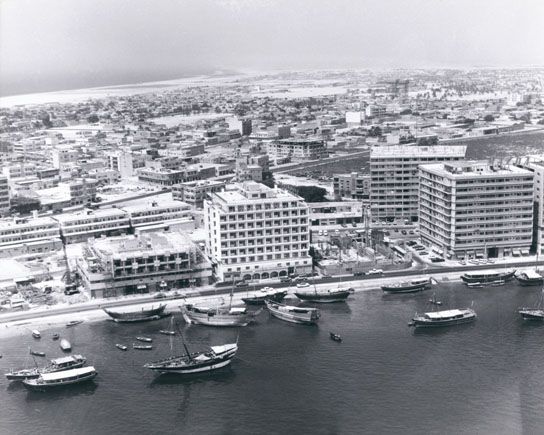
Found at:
<point>385,377</point>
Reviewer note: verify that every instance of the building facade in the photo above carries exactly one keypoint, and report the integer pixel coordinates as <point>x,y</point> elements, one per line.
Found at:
<point>297,149</point>
<point>195,192</point>
<point>255,232</point>
<point>352,186</point>
<point>32,235</point>
<point>78,227</point>
<point>4,196</point>
<point>394,182</point>
<point>473,209</point>
<point>141,264</point>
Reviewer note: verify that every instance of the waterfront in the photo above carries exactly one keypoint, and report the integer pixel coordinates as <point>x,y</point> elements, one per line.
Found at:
<point>384,378</point>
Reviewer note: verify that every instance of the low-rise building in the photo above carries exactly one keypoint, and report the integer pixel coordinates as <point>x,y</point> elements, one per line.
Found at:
<point>153,213</point>
<point>476,209</point>
<point>352,186</point>
<point>297,149</point>
<point>142,263</point>
<point>195,192</point>
<point>28,235</point>
<point>78,227</point>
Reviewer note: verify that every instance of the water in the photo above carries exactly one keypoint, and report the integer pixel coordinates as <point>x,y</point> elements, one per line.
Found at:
<point>484,377</point>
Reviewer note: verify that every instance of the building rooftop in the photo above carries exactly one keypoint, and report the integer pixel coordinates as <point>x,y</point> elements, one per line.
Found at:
<point>416,151</point>
<point>144,206</point>
<point>472,168</point>
<point>89,214</point>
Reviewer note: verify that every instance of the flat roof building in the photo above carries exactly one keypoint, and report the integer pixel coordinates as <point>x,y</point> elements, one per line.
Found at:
<point>256,232</point>
<point>475,209</point>
<point>194,192</point>
<point>394,180</point>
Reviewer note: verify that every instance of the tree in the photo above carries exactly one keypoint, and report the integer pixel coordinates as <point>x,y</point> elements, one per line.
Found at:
<point>489,118</point>
<point>92,119</point>
<point>312,193</point>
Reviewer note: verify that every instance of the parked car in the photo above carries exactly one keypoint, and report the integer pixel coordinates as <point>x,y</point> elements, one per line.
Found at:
<point>375,272</point>
<point>285,279</point>
<point>242,284</point>
<point>437,259</point>
<point>358,273</point>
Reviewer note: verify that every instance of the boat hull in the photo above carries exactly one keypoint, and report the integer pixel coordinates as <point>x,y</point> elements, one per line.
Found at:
<point>260,300</point>
<point>215,319</point>
<point>532,314</point>
<point>308,318</point>
<point>198,368</point>
<point>336,296</point>
<point>138,316</point>
<point>408,288</point>
<point>33,385</point>
<point>441,323</point>
<point>526,282</point>
<point>487,278</point>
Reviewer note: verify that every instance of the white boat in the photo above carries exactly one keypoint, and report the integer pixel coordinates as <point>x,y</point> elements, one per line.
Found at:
<point>220,316</point>
<point>302,315</point>
<point>65,345</point>
<point>62,378</point>
<point>36,333</point>
<point>444,318</point>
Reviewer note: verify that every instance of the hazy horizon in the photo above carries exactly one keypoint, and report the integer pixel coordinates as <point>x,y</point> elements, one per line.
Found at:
<point>69,44</point>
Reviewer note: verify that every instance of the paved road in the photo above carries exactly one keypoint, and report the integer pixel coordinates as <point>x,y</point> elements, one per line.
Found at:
<point>225,289</point>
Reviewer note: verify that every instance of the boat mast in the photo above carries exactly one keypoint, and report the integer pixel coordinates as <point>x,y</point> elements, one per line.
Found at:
<point>184,345</point>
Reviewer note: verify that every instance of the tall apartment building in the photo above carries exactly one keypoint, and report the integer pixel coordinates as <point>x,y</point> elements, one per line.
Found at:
<point>394,180</point>
<point>536,165</point>
<point>141,263</point>
<point>474,209</point>
<point>256,232</point>
<point>4,196</point>
<point>353,186</point>
<point>121,161</point>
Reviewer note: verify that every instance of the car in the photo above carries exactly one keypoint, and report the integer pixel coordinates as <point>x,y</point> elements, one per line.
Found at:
<point>303,285</point>
<point>353,224</point>
<point>411,243</point>
<point>423,253</point>
<point>325,232</point>
<point>375,272</point>
<point>285,279</point>
<point>437,259</point>
<point>462,262</point>
<point>358,273</point>
<point>242,284</point>
<point>159,295</point>
<point>403,232</point>
<point>419,248</point>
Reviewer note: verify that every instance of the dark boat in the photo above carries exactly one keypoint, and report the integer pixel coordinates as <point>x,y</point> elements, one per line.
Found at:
<point>56,336</point>
<point>434,301</point>
<point>536,312</point>
<point>37,353</point>
<point>444,318</point>
<point>50,380</point>
<point>137,316</point>
<point>258,297</point>
<point>142,346</point>
<point>335,337</point>
<point>530,277</point>
<point>73,323</point>
<point>323,296</point>
<point>121,346</point>
<point>407,287</point>
<point>487,277</point>
<point>55,365</point>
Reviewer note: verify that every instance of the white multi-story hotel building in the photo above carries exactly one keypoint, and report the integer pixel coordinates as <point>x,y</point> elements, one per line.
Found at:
<point>24,236</point>
<point>141,263</point>
<point>536,165</point>
<point>474,209</point>
<point>78,227</point>
<point>394,177</point>
<point>4,196</point>
<point>255,232</point>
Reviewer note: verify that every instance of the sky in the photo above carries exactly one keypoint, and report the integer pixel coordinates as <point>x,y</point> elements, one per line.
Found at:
<point>64,44</point>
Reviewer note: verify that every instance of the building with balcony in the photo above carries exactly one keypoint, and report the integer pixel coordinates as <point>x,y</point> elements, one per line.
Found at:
<point>78,227</point>
<point>473,209</point>
<point>29,235</point>
<point>352,186</point>
<point>145,214</point>
<point>394,182</point>
<point>195,192</point>
<point>142,263</point>
<point>297,149</point>
<point>255,232</point>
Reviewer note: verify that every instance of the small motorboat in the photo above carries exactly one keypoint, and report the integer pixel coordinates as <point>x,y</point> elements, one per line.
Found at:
<point>335,337</point>
<point>167,332</point>
<point>142,346</point>
<point>36,353</point>
<point>56,336</point>
<point>36,333</point>
<point>65,345</point>
<point>146,339</point>
<point>434,301</point>
<point>121,346</point>
<point>73,323</point>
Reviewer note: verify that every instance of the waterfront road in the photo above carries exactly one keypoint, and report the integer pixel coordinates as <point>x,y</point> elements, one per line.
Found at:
<point>368,281</point>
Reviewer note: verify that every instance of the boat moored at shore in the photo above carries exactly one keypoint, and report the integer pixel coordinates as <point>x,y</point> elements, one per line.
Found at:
<point>220,316</point>
<point>302,315</point>
<point>55,365</point>
<point>407,286</point>
<point>323,296</point>
<point>529,277</point>
<point>534,313</point>
<point>154,313</point>
<point>485,278</point>
<point>258,297</point>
